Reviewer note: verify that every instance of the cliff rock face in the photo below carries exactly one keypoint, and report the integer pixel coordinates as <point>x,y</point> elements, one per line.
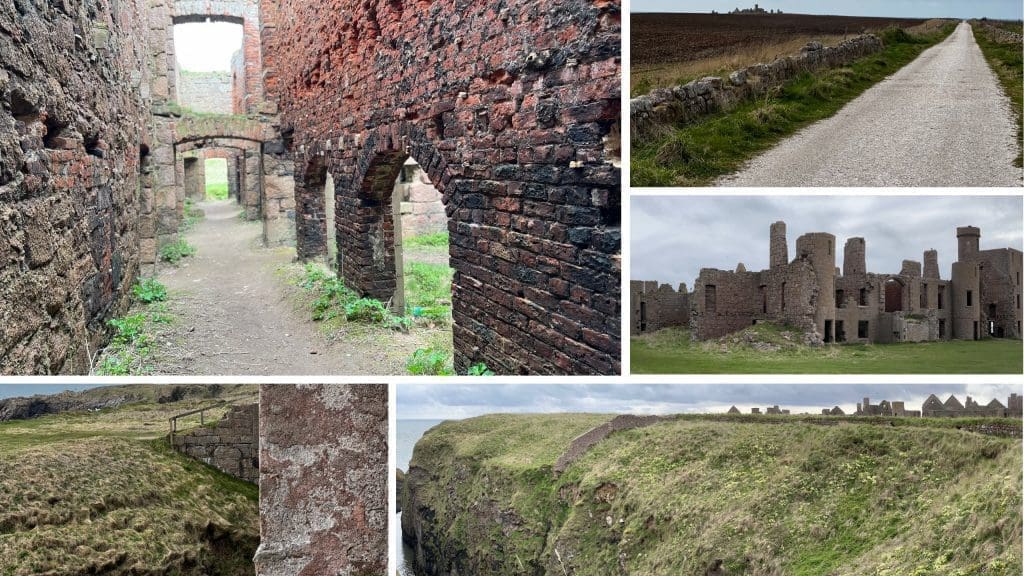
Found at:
<point>700,496</point>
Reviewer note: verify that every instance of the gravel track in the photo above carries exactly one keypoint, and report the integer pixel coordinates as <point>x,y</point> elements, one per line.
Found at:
<point>943,120</point>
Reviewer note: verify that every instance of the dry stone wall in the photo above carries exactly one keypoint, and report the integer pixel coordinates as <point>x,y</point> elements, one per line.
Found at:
<point>686,103</point>
<point>70,134</point>
<point>231,445</point>
<point>323,480</point>
<point>584,442</point>
<point>506,106</point>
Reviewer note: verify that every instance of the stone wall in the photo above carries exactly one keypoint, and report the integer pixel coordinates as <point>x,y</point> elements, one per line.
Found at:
<point>70,153</point>
<point>506,107</point>
<point>699,98</point>
<point>657,306</point>
<point>323,480</point>
<point>231,445</point>
<point>997,33</point>
<point>584,442</point>
<point>208,92</point>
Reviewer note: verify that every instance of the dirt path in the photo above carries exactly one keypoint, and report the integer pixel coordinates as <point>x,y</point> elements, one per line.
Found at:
<point>943,120</point>
<point>235,314</point>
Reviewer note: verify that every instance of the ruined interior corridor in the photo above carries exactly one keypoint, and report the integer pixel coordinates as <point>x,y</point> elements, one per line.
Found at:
<point>105,128</point>
<point>234,312</point>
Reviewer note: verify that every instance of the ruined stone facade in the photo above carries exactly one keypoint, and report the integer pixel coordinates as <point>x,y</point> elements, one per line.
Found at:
<point>97,158</point>
<point>655,306</point>
<point>506,107</point>
<point>323,480</point>
<point>982,299</point>
<point>231,445</point>
<point>952,408</point>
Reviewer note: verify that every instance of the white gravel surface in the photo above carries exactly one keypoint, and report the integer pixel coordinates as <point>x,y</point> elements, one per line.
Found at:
<point>943,120</point>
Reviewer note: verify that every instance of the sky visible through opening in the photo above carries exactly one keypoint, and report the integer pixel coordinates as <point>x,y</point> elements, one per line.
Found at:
<point>996,9</point>
<point>206,47</point>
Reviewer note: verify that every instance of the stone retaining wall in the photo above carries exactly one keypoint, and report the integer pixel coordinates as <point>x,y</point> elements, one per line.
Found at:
<point>686,103</point>
<point>231,445</point>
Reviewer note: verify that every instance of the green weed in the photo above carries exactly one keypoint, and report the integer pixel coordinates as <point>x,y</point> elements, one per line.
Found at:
<point>335,300</point>
<point>174,252</point>
<point>430,362</point>
<point>480,369</point>
<point>150,290</point>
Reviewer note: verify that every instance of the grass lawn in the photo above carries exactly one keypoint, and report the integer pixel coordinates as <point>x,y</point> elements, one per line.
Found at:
<point>217,179</point>
<point>103,493</point>
<point>1007,61</point>
<point>671,351</point>
<point>697,154</point>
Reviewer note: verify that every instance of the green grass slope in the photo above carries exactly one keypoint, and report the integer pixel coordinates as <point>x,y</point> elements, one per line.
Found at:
<point>1007,61</point>
<point>102,493</point>
<point>671,351</point>
<point>695,496</point>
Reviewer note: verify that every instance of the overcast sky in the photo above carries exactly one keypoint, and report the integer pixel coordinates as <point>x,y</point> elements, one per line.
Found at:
<point>457,401</point>
<point>206,47</point>
<point>999,9</point>
<point>674,237</point>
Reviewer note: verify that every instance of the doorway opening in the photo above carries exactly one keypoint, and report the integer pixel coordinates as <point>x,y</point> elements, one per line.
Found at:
<point>207,57</point>
<point>421,247</point>
<point>828,331</point>
<point>643,316</point>
<point>893,295</point>
<point>216,171</point>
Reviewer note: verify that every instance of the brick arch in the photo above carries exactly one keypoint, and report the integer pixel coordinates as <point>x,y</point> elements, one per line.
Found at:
<point>517,116</point>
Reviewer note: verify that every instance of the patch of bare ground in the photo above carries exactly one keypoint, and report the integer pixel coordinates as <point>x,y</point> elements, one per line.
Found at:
<point>235,309</point>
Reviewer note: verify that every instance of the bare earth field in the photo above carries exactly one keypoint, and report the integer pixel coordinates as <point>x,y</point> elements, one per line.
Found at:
<point>669,49</point>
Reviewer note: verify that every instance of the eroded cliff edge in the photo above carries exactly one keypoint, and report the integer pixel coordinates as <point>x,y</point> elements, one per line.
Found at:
<point>692,495</point>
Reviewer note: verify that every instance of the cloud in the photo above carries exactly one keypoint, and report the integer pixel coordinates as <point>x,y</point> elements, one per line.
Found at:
<point>1000,9</point>
<point>454,401</point>
<point>673,237</point>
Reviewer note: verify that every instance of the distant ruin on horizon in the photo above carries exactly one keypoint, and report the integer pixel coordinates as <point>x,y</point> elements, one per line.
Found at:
<point>931,408</point>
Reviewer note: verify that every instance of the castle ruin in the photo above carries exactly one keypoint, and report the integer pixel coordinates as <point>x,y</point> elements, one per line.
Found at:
<point>982,298</point>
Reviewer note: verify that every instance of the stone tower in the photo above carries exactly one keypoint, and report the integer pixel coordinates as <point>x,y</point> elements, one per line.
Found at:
<point>968,239</point>
<point>779,251</point>
<point>818,248</point>
<point>853,257</point>
<point>931,264</point>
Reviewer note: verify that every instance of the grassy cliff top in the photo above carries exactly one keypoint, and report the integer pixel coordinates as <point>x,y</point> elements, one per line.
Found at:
<point>515,441</point>
<point>798,499</point>
<point>101,492</point>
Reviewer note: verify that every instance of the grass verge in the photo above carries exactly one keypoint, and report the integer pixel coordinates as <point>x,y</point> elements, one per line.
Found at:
<point>1007,62</point>
<point>696,154</point>
<point>671,351</point>
<point>335,301</point>
<point>436,240</point>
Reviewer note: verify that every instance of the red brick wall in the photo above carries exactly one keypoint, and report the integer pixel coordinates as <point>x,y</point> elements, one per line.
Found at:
<point>505,106</point>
